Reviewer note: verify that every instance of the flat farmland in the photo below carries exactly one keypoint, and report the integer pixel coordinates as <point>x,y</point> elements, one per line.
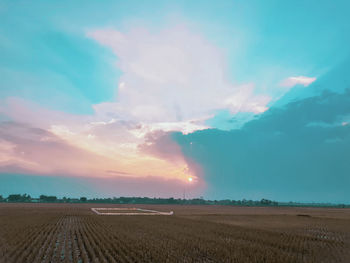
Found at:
<point>73,233</point>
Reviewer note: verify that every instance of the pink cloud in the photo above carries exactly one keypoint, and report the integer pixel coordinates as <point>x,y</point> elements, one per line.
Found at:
<point>36,151</point>
<point>39,151</point>
<point>160,144</point>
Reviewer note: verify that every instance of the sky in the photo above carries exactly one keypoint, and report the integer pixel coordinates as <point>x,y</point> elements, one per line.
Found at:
<point>214,99</point>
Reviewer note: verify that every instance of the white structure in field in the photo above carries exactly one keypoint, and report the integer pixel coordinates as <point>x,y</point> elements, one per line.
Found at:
<point>133,212</point>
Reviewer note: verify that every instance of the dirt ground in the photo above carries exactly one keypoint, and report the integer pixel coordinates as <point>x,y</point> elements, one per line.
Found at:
<point>73,233</point>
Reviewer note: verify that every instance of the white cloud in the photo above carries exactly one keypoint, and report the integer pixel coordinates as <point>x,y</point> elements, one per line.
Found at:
<point>301,80</point>
<point>245,101</point>
<point>172,76</point>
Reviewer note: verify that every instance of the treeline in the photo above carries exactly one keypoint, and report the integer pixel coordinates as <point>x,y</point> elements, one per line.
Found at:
<point>132,200</point>
<point>13,198</point>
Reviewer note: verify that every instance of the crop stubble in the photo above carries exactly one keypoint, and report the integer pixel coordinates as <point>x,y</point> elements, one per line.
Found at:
<point>72,233</point>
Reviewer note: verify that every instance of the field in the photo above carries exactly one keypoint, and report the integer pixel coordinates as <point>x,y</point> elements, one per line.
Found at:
<point>73,233</point>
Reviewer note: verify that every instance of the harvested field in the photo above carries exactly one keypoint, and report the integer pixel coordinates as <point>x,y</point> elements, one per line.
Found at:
<point>73,233</point>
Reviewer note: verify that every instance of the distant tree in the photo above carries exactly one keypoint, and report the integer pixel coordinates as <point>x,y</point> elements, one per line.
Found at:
<point>2,199</point>
<point>48,199</point>
<point>51,198</point>
<point>14,198</point>
<point>26,198</point>
<point>265,202</point>
<point>19,198</point>
<point>83,199</point>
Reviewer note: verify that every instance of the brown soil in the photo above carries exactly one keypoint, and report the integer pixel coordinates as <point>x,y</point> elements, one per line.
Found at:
<point>73,233</point>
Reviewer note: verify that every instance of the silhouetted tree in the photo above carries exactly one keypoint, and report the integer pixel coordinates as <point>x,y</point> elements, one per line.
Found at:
<point>19,198</point>
<point>48,199</point>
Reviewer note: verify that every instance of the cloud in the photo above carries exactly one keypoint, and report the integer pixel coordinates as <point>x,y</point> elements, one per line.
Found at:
<point>26,151</point>
<point>37,151</point>
<point>163,145</point>
<point>280,155</point>
<point>172,80</point>
<point>173,75</point>
<point>299,80</point>
<point>104,143</point>
<point>160,143</point>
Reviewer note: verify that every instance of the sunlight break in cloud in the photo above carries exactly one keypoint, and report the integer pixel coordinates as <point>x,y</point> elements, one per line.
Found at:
<point>301,80</point>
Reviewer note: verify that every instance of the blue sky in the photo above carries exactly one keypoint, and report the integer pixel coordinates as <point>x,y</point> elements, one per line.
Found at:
<point>124,85</point>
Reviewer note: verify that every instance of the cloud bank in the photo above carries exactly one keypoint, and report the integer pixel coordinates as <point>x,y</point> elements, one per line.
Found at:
<point>297,152</point>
